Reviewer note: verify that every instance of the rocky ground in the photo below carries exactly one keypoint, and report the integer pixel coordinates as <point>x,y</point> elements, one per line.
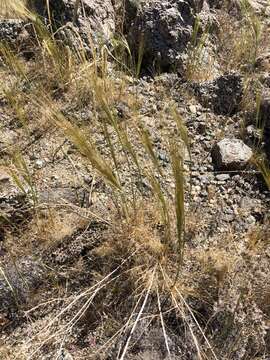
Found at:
<point>70,284</point>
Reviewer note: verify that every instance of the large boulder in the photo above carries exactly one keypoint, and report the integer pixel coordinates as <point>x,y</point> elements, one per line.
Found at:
<point>223,95</point>
<point>165,28</point>
<point>231,154</point>
<point>95,19</point>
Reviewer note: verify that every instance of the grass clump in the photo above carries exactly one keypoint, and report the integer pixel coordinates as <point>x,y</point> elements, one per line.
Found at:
<point>242,42</point>
<point>141,257</point>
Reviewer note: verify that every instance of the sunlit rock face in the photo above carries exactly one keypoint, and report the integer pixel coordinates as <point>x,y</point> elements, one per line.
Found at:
<point>165,28</point>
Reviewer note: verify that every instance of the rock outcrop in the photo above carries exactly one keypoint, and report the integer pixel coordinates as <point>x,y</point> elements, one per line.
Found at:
<point>16,34</point>
<point>94,19</point>
<point>223,95</point>
<point>164,29</point>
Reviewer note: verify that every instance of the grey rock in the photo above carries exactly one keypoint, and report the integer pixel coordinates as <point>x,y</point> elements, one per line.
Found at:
<point>265,79</point>
<point>168,80</point>
<point>60,195</point>
<point>204,194</point>
<point>16,34</point>
<point>228,217</point>
<point>193,109</point>
<point>39,164</point>
<point>144,186</point>
<point>14,207</point>
<point>17,281</point>
<point>253,133</point>
<point>165,27</point>
<point>249,203</point>
<point>10,29</point>
<point>122,110</point>
<point>4,178</point>
<point>222,177</point>
<point>202,127</point>
<point>263,60</point>
<point>204,179</point>
<point>65,355</point>
<point>95,18</point>
<point>231,154</point>
<point>162,156</point>
<point>223,95</point>
<point>251,220</point>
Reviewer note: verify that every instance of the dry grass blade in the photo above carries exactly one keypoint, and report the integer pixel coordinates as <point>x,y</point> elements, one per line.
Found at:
<point>26,185</point>
<point>13,98</point>
<point>178,173</point>
<point>118,54</point>
<point>174,290</point>
<point>121,133</point>
<point>163,325</point>
<point>140,57</point>
<point>93,290</point>
<point>87,149</point>
<point>182,130</point>
<point>264,169</point>
<point>194,338</point>
<point>58,59</point>
<point>123,328</point>
<point>111,146</point>
<point>139,315</point>
<point>254,26</point>
<point>148,145</point>
<point>108,139</point>
<point>164,206</point>
<point>91,293</point>
<point>17,180</point>
<point>67,327</point>
<point>194,65</point>
<point>9,285</point>
<point>258,109</point>
<point>12,62</point>
<point>196,322</point>
<point>15,8</point>
<point>49,13</point>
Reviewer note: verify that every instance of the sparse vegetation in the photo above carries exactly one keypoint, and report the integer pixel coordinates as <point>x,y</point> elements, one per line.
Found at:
<point>113,244</point>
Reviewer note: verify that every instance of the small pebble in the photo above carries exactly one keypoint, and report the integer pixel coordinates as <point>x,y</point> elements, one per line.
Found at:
<point>39,164</point>
<point>193,109</point>
<point>222,177</point>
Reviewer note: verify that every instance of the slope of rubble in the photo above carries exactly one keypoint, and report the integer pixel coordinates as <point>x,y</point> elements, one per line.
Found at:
<point>76,280</point>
